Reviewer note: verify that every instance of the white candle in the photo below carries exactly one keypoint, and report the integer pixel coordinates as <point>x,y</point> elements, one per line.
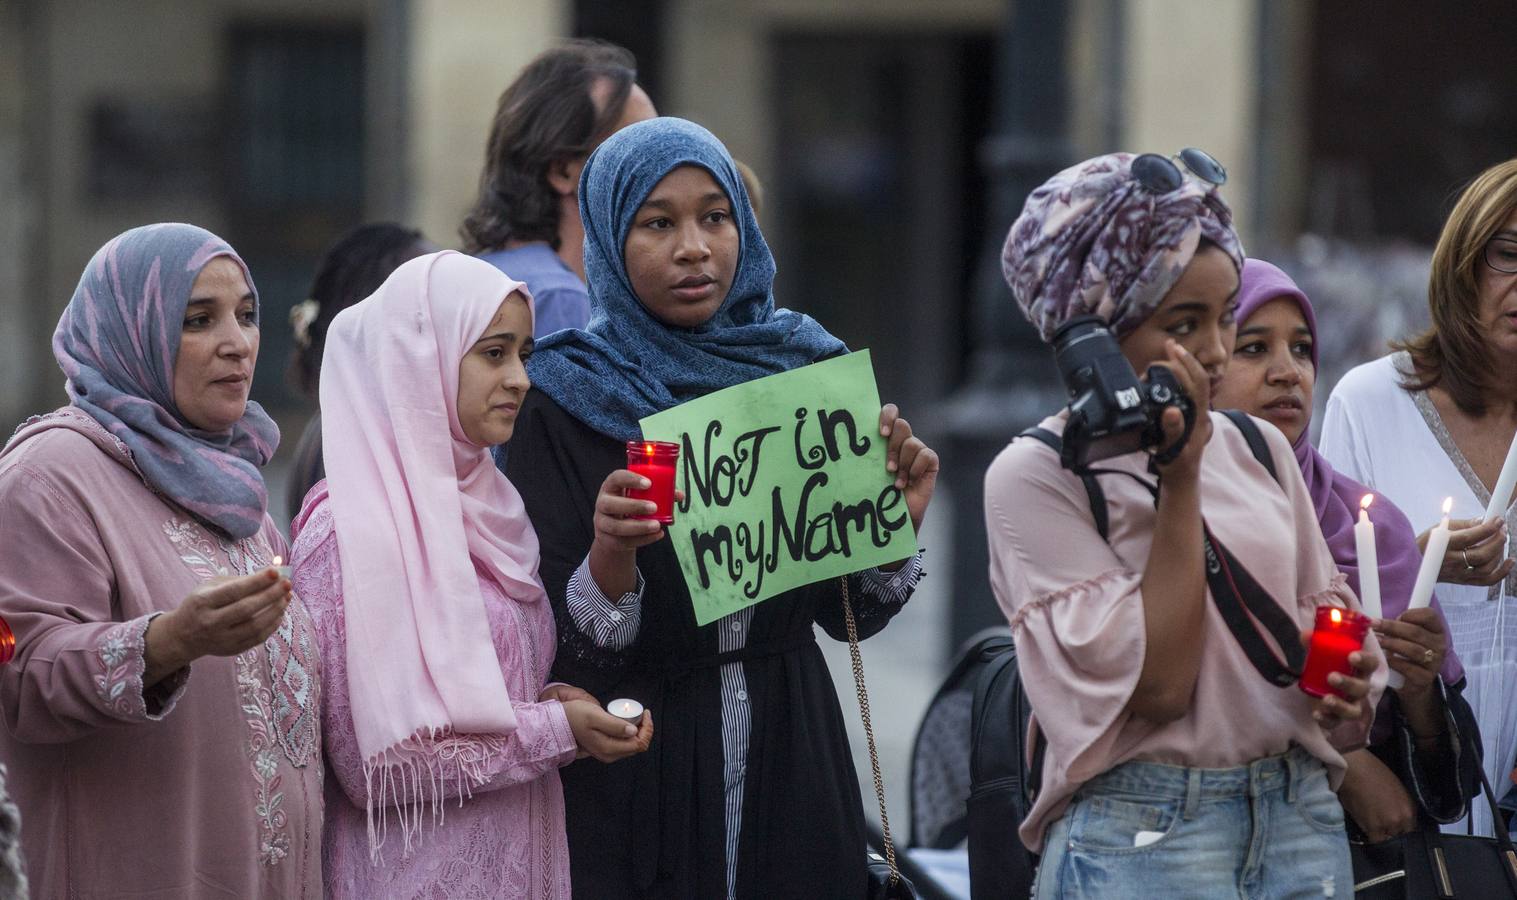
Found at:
<point>278,566</point>
<point>1432,560</point>
<point>1507,480</point>
<point>1369,573</point>
<point>1369,566</point>
<point>629,711</point>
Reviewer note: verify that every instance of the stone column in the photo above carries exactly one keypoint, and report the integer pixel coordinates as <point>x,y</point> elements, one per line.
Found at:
<point>1192,81</point>
<point>461,55</point>
<point>1012,383</point>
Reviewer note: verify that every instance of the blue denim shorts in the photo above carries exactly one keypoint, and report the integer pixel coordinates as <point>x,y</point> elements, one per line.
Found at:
<point>1271,829</point>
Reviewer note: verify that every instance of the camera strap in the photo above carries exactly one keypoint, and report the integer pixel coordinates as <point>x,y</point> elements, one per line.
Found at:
<point>1242,601</point>
<point>1239,598</point>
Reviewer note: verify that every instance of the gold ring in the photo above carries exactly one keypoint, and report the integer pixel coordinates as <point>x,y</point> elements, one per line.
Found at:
<point>1465,555</point>
<point>1427,657</point>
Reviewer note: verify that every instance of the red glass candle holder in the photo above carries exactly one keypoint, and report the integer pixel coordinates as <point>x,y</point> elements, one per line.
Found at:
<point>655,461</point>
<point>7,643</point>
<point>1338,633</point>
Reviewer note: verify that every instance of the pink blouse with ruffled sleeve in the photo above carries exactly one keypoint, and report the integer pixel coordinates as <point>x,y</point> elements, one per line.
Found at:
<point>500,830</point>
<point>1076,612</point>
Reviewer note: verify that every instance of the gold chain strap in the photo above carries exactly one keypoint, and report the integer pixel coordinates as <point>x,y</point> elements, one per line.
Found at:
<point>874,757</point>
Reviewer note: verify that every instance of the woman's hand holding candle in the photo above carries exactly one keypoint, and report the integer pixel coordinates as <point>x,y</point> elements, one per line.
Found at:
<point>1476,552</point>
<point>1414,648</point>
<point>604,736</point>
<point>1343,701</point>
<point>619,532</point>
<point>563,693</point>
<point>220,617</point>
<point>619,519</point>
<point>1348,703</point>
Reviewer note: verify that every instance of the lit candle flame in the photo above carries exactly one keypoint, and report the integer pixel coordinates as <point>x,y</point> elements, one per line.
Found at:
<point>1365,503</point>
<point>278,561</point>
<point>1336,615</point>
<point>1448,504</point>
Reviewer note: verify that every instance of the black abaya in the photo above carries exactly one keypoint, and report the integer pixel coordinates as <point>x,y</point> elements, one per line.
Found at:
<point>653,825</point>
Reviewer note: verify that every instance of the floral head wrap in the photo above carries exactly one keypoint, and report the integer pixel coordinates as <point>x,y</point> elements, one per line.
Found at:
<point>1093,240</point>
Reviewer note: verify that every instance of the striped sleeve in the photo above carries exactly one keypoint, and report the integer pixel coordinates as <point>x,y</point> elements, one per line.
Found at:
<point>892,587</point>
<point>612,626</point>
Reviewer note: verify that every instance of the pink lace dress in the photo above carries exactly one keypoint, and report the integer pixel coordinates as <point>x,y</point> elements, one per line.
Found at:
<point>498,834</point>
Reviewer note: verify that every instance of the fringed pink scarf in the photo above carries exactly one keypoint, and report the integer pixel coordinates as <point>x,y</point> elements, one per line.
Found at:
<point>416,508</point>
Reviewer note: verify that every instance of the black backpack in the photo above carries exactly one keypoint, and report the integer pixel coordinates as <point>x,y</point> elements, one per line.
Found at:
<point>1003,783</point>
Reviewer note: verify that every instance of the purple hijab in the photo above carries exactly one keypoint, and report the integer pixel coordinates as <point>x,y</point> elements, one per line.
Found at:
<point>117,342</point>
<point>1336,497</point>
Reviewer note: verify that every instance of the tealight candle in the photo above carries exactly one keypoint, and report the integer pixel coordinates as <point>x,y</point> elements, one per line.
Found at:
<point>1339,632</point>
<point>629,711</point>
<point>278,566</point>
<point>1369,566</point>
<point>1432,561</point>
<point>7,642</point>
<point>655,461</point>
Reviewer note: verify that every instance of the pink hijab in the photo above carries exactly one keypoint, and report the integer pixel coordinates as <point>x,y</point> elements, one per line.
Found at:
<point>419,510</point>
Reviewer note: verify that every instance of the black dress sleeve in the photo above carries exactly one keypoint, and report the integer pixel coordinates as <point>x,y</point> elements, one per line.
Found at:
<point>1444,785</point>
<point>557,464</point>
<point>871,611</point>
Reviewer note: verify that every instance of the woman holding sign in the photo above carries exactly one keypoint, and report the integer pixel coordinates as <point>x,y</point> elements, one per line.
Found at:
<point>749,789</point>
<point>1436,419</point>
<point>420,568</point>
<point>1178,756</point>
<point>1420,765</point>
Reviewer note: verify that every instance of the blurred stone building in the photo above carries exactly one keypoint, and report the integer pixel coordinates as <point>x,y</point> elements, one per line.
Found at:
<point>281,122</point>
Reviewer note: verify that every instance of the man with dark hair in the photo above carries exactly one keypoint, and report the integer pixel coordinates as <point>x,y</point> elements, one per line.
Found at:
<point>526,220</point>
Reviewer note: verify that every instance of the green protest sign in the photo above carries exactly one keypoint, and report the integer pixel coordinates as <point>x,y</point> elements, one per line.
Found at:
<point>785,485</point>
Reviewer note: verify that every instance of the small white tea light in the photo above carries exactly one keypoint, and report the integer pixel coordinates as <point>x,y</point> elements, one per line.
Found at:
<point>279,566</point>
<point>629,711</point>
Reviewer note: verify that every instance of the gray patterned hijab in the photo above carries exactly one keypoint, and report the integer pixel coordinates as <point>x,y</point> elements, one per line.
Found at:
<point>117,343</point>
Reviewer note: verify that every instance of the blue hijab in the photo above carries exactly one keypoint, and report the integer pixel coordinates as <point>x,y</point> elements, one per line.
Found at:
<point>627,364</point>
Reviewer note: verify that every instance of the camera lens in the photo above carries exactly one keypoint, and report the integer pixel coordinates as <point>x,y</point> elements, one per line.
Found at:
<point>1077,328</point>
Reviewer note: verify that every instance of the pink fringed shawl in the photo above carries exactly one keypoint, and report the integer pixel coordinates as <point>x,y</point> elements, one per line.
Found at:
<point>417,508</point>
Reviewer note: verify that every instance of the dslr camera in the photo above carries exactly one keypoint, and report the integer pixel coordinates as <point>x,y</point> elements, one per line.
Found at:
<point>1112,412</point>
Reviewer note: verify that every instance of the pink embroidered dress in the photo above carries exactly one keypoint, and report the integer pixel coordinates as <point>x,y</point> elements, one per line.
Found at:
<point>208,785</point>
<point>499,831</point>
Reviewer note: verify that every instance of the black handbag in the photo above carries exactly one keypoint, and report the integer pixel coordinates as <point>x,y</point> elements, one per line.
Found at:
<point>1430,864</point>
<point>885,879</point>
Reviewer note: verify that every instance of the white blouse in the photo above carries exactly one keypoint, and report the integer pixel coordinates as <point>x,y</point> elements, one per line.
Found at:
<point>1396,443</point>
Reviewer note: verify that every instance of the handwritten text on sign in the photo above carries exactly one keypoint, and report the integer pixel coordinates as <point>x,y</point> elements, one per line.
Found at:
<point>785,485</point>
